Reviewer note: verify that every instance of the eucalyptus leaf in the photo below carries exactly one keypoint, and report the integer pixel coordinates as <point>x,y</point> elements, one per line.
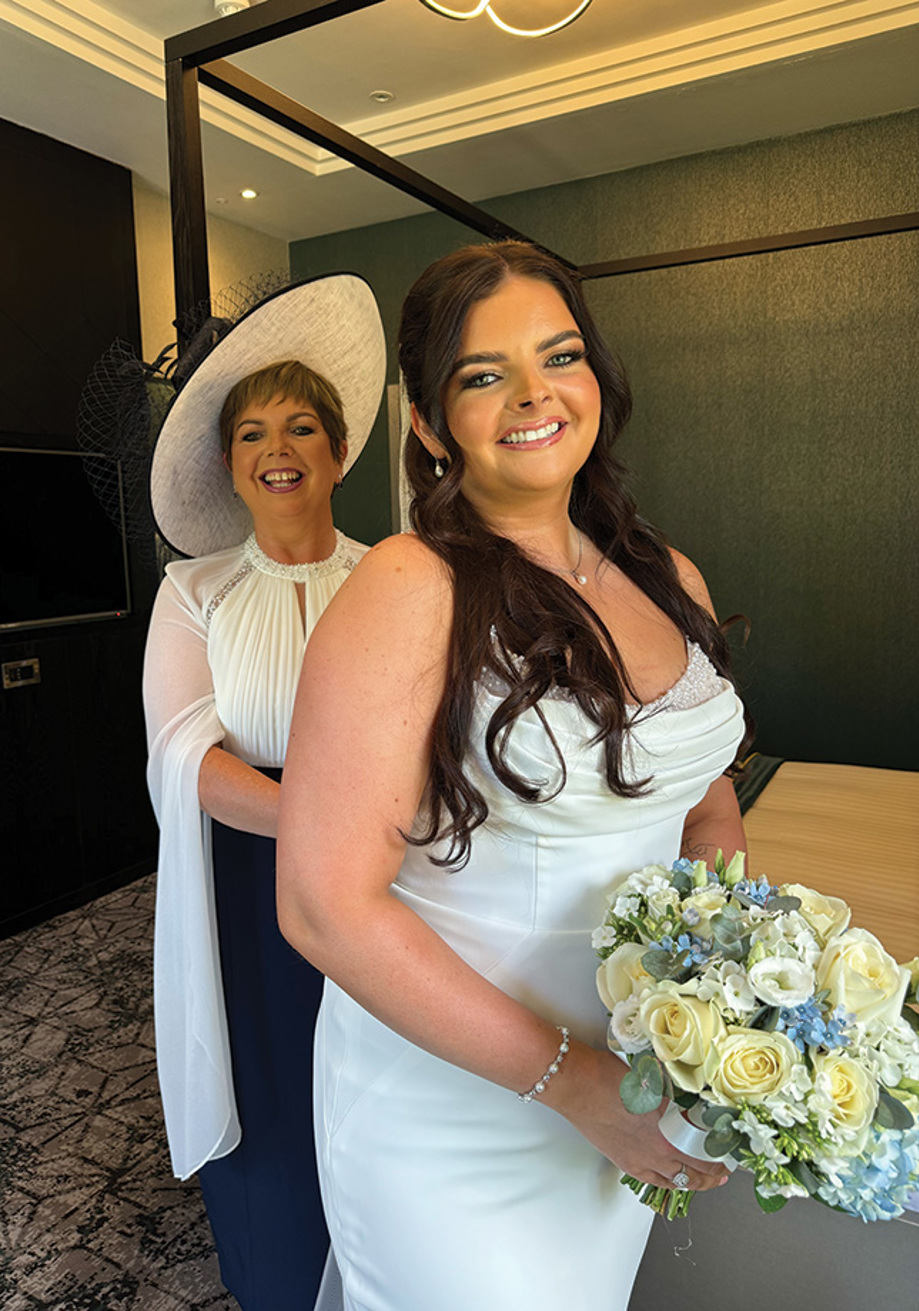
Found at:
<point>722,1144</point>
<point>657,962</point>
<point>712,1114</point>
<point>744,899</point>
<point>725,935</point>
<point>783,904</point>
<point>891,1113</point>
<point>682,882</point>
<point>769,1204</point>
<point>685,1100</point>
<point>642,1089</point>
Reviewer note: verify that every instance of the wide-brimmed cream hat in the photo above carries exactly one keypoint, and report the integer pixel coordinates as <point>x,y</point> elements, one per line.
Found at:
<point>332,325</point>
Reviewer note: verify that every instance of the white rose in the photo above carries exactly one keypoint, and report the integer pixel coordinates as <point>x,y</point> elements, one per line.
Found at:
<point>625,1030</point>
<point>863,979</point>
<point>782,981</point>
<point>845,1095</point>
<point>749,1065</point>
<point>827,916</point>
<point>622,974</point>
<point>682,1028</point>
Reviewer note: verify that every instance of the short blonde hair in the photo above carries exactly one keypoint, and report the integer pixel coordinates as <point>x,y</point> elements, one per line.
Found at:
<point>291,380</point>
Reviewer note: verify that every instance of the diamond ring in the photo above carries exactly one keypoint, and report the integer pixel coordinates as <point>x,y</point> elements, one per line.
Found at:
<point>680,1179</point>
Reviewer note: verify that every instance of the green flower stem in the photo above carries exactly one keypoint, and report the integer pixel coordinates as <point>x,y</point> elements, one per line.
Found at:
<point>671,1203</point>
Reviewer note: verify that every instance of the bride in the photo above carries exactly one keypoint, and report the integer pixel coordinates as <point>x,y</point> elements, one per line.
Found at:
<point>499,716</point>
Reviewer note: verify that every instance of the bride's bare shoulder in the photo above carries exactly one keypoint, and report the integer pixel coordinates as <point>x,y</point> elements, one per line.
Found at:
<point>692,581</point>
<point>402,560</point>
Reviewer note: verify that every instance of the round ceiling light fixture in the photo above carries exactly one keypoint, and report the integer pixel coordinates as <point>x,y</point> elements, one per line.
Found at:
<point>485,7</point>
<point>248,193</point>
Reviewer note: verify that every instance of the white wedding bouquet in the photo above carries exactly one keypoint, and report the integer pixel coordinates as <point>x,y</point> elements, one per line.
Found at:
<point>791,1037</point>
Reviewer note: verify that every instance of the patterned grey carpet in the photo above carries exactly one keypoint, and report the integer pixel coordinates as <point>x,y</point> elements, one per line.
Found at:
<point>91,1218</point>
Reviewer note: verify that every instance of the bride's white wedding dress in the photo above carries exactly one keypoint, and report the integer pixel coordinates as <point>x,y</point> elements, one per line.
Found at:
<point>444,1192</point>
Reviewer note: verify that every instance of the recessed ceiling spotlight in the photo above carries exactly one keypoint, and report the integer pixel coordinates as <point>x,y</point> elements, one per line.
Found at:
<point>247,193</point>
<point>382,97</point>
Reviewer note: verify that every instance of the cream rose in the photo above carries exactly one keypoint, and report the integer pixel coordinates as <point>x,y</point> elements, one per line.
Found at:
<point>846,1093</point>
<point>827,916</point>
<point>682,1029</point>
<point>863,979</point>
<point>749,1065</point>
<point>706,903</point>
<point>622,974</point>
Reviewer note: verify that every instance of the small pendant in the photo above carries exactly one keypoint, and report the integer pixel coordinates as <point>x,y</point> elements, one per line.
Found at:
<point>580,578</point>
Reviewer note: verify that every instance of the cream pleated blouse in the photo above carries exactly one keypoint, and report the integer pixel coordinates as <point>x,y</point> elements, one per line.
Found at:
<point>223,660</point>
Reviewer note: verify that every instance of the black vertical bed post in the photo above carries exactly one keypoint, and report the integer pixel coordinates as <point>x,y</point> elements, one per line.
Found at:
<point>186,187</point>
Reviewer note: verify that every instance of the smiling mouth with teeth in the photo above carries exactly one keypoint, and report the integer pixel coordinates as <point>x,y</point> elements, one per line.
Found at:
<point>524,436</point>
<point>281,478</point>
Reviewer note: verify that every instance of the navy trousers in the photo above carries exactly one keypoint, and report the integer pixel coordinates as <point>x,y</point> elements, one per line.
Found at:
<point>263,1199</point>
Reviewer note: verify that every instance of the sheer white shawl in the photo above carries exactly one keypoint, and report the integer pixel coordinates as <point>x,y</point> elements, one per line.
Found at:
<point>223,659</point>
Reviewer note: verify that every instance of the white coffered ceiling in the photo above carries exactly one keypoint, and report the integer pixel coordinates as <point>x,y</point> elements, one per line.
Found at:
<point>478,111</point>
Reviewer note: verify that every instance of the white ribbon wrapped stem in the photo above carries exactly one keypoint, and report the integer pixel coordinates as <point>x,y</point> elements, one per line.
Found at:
<point>688,1140</point>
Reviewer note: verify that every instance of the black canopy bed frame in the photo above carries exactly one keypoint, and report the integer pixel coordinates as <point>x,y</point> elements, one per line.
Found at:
<point>201,56</point>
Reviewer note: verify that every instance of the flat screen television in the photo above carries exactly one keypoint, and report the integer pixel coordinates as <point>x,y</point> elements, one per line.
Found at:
<point>63,560</point>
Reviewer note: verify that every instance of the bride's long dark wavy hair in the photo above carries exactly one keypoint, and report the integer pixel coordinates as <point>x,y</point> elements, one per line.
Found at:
<point>512,617</point>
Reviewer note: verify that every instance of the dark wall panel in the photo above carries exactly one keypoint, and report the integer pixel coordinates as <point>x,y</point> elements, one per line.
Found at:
<point>74,815</point>
<point>774,441</point>
<point>69,275</point>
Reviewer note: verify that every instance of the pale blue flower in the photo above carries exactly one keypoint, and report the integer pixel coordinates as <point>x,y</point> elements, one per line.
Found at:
<point>877,1184</point>
<point>808,1026</point>
<point>758,890</point>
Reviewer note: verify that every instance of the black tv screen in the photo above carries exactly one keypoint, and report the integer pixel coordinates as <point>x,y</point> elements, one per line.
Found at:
<point>62,558</point>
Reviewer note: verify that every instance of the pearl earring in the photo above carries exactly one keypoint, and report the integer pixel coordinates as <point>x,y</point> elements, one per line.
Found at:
<point>438,469</point>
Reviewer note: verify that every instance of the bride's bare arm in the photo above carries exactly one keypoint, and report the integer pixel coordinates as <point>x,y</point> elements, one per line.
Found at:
<point>356,769</point>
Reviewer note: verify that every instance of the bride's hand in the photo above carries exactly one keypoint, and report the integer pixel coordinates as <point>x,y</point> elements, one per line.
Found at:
<point>588,1097</point>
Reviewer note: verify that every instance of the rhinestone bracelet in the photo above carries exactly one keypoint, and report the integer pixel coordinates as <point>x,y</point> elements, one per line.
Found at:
<point>540,1085</point>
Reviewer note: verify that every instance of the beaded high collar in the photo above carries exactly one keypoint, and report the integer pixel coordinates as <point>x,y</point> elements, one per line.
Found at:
<point>341,558</point>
